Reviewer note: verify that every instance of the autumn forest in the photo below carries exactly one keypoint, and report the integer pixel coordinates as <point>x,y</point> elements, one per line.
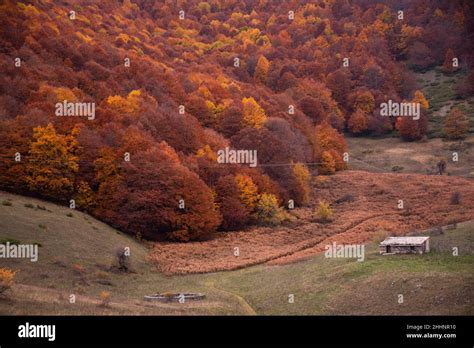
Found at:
<point>172,83</point>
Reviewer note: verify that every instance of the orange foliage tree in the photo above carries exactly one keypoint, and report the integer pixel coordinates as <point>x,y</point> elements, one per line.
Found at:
<point>411,129</point>
<point>159,197</point>
<point>261,70</point>
<point>358,122</point>
<point>248,191</point>
<point>448,66</point>
<point>302,176</point>
<point>456,124</point>
<point>52,163</point>
<point>329,148</point>
<point>253,114</point>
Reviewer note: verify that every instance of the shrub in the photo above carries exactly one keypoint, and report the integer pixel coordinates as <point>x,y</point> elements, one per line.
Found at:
<point>324,211</point>
<point>397,169</point>
<point>345,198</point>
<point>267,210</point>
<point>102,275</point>
<point>78,269</point>
<point>105,298</point>
<point>123,262</point>
<point>327,165</point>
<point>6,279</point>
<point>7,203</point>
<point>320,181</point>
<point>455,198</point>
<point>302,189</point>
<point>456,125</point>
<point>29,205</point>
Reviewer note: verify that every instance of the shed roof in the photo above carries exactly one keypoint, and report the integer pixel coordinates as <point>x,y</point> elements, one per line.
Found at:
<point>404,241</point>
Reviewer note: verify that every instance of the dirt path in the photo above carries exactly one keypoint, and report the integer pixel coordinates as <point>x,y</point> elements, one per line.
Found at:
<point>245,305</point>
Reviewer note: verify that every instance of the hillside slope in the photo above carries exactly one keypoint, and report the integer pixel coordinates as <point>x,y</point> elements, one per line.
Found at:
<point>75,257</point>
<point>435,283</point>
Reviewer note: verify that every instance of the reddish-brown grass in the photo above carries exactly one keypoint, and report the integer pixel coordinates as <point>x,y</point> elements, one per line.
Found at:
<point>374,211</point>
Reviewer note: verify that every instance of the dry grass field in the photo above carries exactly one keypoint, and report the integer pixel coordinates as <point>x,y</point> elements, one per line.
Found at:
<point>77,253</point>
<point>373,211</point>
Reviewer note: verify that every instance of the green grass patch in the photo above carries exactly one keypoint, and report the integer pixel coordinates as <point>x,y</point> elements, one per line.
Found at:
<point>10,240</point>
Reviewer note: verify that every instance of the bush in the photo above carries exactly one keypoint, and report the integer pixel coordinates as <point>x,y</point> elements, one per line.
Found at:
<point>327,165</point>
<point>301,191</point>
<point>397,169</point>
<point>78,269</point>
<point>7,203</point>
<point>345,198</point>
<point>123,260</point>
<point>324,211</point>
<point>456,125</point>
<point>267,210</point>
<point>455,198</point>
<point>6,279</point>
<point>320,181</point>
<point>105,298</point>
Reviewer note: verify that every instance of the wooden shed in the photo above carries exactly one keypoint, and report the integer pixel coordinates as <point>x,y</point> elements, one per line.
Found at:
<point>405,245</point>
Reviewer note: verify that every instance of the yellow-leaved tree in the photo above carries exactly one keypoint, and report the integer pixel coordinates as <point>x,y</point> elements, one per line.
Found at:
<point>261,70</point>
<point>254,115</point>
<point>52,162</point>
<point>302,175</point>
<point>85,197</point>
<point>420,98</point>
<point>267,211</point>
<point>127,105</point>
<point>107,174</point>
<point>248,191</point>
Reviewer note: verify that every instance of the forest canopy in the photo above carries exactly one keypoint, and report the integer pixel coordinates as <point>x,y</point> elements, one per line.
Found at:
<point>174,82</point>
